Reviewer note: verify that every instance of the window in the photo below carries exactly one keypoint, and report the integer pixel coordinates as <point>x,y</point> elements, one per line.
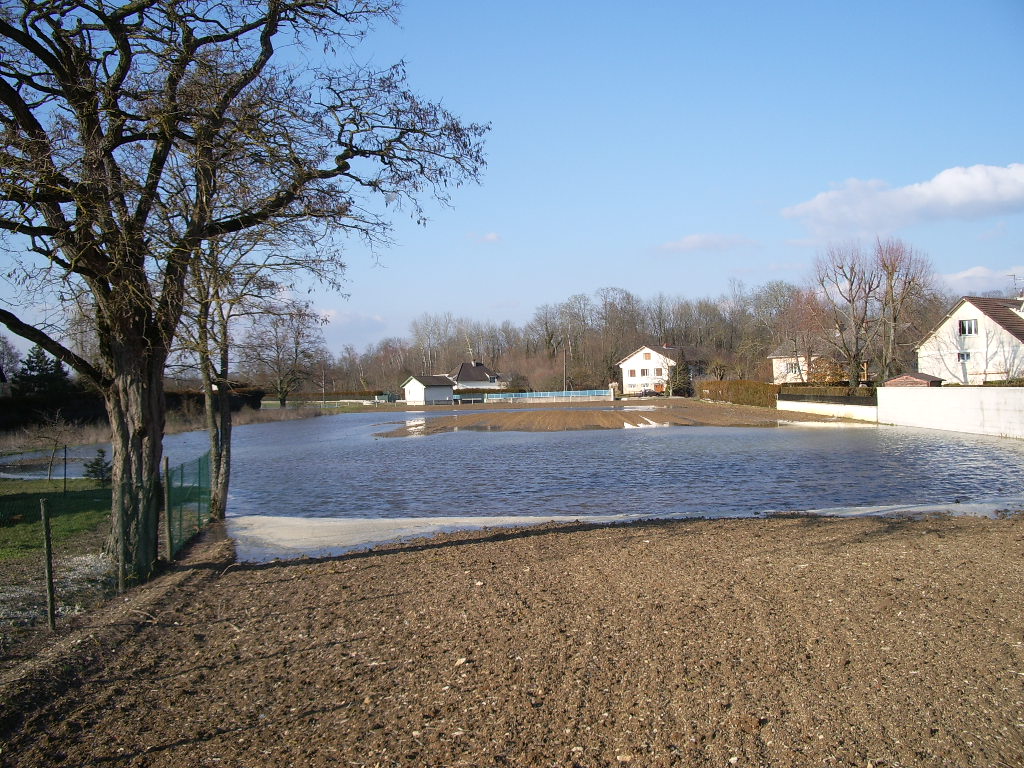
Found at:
<point>963,357</point>
<point>968,327</point>
<point>647,355</point>
<point>645,371</point>
<point>657,371</point>
<point>632,373</point>
<point>793,369</point>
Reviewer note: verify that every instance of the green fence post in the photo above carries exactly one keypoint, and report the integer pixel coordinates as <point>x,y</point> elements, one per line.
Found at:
<point>168,530</point>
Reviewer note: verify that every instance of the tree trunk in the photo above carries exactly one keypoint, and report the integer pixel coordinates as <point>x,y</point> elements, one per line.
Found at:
<point>136,408</point>
<point>853,372</point>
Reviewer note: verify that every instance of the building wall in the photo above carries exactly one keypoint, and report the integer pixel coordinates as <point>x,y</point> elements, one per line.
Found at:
<point>781,373</point>
<point>640,381</point>
<point>994,354</point>
<point>417,394</point>
<point>995,411</point>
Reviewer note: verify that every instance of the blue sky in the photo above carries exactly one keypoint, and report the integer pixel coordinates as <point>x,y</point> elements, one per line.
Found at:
<point>674,146</point>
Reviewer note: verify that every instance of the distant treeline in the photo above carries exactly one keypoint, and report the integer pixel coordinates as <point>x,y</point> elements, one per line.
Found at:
<point>85,407</point>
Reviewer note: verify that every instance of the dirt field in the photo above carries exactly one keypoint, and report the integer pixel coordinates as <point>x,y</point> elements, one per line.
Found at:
<point>778,642</point>
<point>641,413</point>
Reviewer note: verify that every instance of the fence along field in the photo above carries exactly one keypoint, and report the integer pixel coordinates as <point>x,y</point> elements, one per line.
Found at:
<point>83,575</point>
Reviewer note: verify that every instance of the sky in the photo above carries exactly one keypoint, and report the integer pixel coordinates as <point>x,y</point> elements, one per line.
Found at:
<point>676,147</point>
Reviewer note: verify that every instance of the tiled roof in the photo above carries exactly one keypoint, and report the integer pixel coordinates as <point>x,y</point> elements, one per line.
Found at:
<point>675,354</point>
<point>469,372</point>
<point>1002,312</point>
<point>433,381</point>
<point>788,349</point>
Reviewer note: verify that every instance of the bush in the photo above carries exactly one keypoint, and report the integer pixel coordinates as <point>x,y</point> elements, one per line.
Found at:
<point>99,469</point>
<point>1004,383</point>
<point>740,391</point>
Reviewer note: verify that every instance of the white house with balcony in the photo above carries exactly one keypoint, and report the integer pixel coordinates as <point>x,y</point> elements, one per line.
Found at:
<point>981,339</point>
<point>648,369</point>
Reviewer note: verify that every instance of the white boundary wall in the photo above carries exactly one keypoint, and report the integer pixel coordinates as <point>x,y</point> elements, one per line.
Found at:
<point>837,410</point>
<point>995,411</point>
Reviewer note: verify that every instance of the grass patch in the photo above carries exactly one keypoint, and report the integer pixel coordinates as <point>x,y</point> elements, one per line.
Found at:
<point>77,513</point>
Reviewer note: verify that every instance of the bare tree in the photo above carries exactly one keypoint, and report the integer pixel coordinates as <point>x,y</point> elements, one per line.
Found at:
<point>231,279</point>
<point>122,124</point>
<point>9,359</point>
<point>281,348</point>
<point>849,282</point>
<point>907,278</point>
<point>800,332</point>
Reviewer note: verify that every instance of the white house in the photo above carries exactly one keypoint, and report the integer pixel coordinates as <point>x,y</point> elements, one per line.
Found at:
<point>647,370</point>
<point>981,339</point>
<point>789,366</point>
<point>476,375</point>
<point>428,390</point>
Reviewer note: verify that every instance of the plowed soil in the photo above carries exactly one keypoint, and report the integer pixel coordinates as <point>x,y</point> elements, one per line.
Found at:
<point>779,642</point>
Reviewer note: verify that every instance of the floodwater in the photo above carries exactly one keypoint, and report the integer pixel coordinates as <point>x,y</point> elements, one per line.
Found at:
<point>334,467</point>
<point>327,485</point>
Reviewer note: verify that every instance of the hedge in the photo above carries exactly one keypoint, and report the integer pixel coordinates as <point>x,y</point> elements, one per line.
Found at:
<point>740,391</point>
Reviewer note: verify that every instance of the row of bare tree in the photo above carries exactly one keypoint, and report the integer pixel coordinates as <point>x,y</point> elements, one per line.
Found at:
<point>858,306</point>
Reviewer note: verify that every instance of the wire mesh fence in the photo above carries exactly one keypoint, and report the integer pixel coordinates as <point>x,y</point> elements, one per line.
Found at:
<point>187,501</point>
<point>84,575</point>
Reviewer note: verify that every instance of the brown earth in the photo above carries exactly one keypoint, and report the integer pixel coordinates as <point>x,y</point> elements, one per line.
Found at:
<point>674,412</point>
<point>778,642</point>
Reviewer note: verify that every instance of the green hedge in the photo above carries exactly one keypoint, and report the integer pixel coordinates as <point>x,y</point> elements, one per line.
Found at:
<point>740,392</point>
<point>1005,383</point>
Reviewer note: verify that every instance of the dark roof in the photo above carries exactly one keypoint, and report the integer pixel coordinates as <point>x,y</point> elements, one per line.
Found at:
<point>432,381</point>
<point>788,349</point>
<point>474,371</point>
<point>1002,312</point>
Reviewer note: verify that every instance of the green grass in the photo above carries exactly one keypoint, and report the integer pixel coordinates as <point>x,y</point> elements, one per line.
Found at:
<point>76,514</point>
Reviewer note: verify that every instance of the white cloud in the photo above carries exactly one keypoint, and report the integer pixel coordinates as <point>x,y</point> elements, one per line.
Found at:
<point>488,237</point>
<point>859,207</point>
<point>982,279</point>
<point>708,241</point>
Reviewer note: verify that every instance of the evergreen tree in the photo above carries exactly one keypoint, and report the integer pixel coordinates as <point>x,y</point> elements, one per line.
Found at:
<point>99,468</point>
<point>40,374</point>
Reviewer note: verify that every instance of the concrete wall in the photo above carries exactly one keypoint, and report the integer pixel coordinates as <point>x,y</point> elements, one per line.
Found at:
<point>995,411</point>
<point>841,411</point>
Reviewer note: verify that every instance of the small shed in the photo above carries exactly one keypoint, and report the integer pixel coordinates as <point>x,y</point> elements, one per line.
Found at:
<point>915,380</point>
<point>428,390</point>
